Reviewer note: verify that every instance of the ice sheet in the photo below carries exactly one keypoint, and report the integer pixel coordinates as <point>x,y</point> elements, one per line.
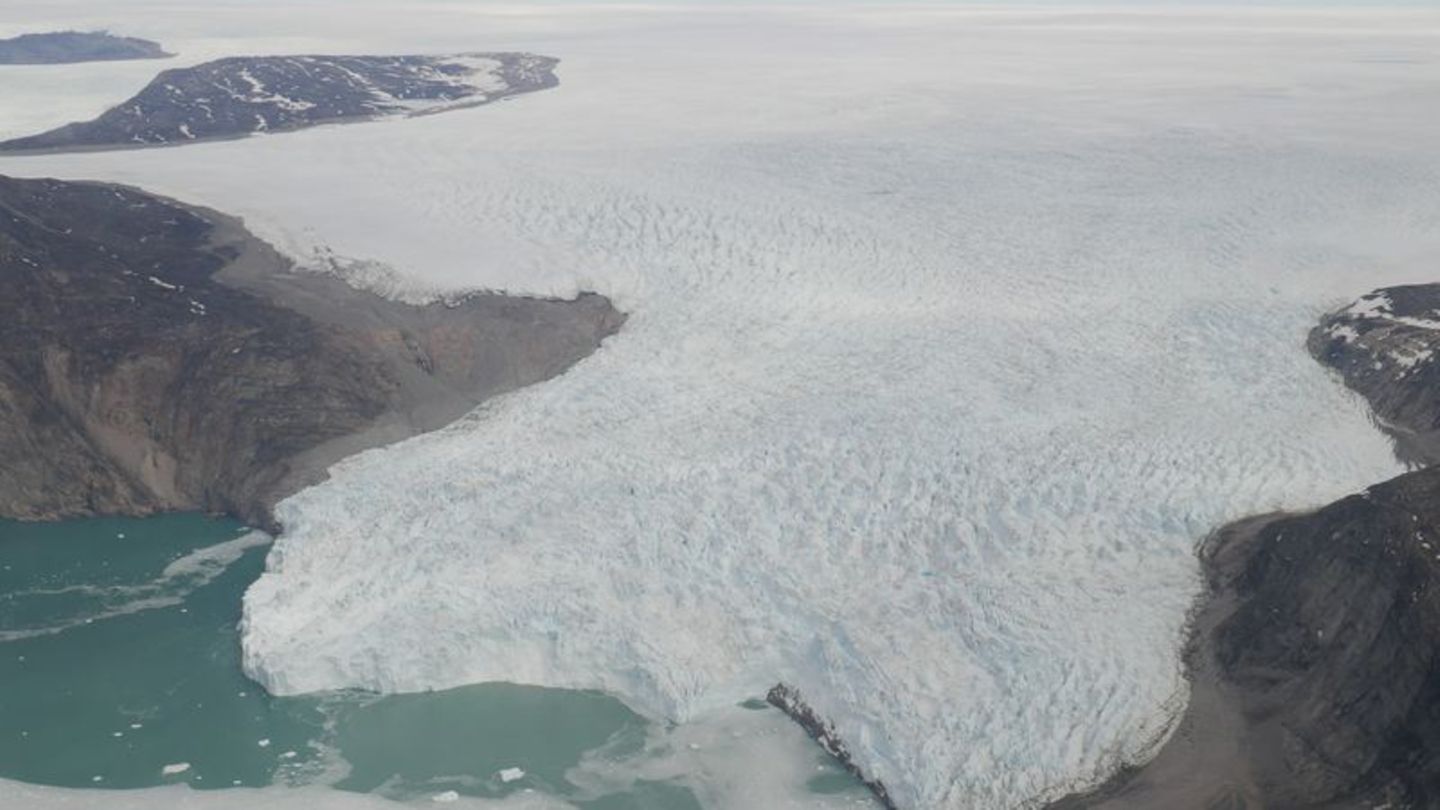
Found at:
<point>952,332</point>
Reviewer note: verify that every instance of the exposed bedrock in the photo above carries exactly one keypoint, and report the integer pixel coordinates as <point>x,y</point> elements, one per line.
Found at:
<point>1315,660</point>
<point>788,699</point>
<point>65,47</point>
<point>158,357</point>
<point>246,95</point>
<point>1333,647</point>
<point>1384,346</point>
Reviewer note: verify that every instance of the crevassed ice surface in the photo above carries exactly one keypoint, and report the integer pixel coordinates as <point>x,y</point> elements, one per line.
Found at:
<point>952,331</point>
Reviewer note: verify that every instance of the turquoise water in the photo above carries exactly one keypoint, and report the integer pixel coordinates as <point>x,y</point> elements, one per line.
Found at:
<point>120,661</point>
<point>116,698</point>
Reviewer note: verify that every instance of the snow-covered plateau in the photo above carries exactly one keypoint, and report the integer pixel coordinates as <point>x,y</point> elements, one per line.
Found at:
<point>952,330</point>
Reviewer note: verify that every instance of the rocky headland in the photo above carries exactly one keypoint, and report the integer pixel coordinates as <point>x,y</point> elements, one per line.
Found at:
<point>247,95</point>
<point>68,47</point>
<point>1315,660</point>
<point>155,356</point>
<point>788,699</point>
<point>1384,346</point>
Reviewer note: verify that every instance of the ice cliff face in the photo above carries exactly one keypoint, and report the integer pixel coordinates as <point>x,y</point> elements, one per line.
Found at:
<point>948,338</point>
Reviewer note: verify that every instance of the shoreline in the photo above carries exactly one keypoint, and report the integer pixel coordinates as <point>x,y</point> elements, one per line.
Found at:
<point>1204,741</point>
<point>434,358</point>
<point>379,118</point>
<point>1309,615</point>
<point>548,80</point>
<point>296,370</point>
<point>424,404</point>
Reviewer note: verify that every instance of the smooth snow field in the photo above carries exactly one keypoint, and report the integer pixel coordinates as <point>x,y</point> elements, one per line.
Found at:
<point>952,330</point>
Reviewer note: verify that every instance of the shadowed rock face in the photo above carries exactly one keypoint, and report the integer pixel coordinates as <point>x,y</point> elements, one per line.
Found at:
<point>1315,661</point>
<point>238,96</point>
<point>788,699</point>
<point>63,47</point>
<point>146,365</point>
<point>1385,347</point>
<point>1334,649</point>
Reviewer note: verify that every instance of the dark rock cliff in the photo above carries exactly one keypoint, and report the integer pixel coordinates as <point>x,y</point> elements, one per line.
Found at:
<point>243,95</point>
<point>136,374</point>
<point>1385,347</point>
<point>1334,648</point>
<point>64,47</point>
<point>1315,660</point>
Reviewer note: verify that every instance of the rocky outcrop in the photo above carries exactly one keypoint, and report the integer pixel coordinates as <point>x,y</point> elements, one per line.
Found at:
<point>1314,669</point>
<point>1385,347</point>
<point>239,96</point>
<point>1334,648</point>
<point>789,700</point>
<point>156,357</point>
<point>64,47</point>
<point>1315,659</point>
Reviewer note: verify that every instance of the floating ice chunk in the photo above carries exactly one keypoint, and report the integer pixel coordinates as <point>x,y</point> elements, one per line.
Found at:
<point>446,797</point>
<point>179,579</point>
<point>179,795</point>
<point>174,768</point>
<point>508,775</point>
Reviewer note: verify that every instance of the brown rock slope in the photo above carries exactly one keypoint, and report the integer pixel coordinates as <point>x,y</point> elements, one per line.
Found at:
<point>157,357</point>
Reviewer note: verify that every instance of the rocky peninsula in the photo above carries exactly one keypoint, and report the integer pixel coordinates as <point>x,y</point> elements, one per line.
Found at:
<point>246,95</point>
<point>68,47</point>
<point>156,356</point>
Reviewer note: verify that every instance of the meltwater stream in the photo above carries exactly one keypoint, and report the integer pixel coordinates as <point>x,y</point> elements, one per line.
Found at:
<point>119,654</point>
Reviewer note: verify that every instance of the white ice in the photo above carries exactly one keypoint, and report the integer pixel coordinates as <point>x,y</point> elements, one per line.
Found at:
<point>180,578</point>
<point>746,760</point>
<point>952,330</point>
<point>258,95</point>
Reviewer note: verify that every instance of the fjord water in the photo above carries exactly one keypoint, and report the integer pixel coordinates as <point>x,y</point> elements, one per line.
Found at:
<point>96,693</point>
<point>120,659</point>
<point>950,333</point>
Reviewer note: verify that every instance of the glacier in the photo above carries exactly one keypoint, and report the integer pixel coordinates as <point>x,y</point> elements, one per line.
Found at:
<point>952,330</point>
